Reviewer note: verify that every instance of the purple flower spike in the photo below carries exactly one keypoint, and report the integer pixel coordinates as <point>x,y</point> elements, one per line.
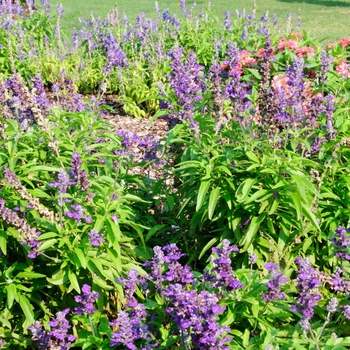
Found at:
<point>309,289</point>
<point>274,285</point>
<point>86,300</point>
<point>95,238</point>
<point>221,275</point>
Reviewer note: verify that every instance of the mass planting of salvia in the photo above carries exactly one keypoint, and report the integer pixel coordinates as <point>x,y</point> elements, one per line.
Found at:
<point>240,241</point>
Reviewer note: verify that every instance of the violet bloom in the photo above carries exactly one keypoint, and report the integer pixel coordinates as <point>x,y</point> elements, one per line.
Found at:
<point>309,289</point>
<point>58,337</point>
<point>186,82</point>
<point>274,285</point>
<point>77,174</point>
<point>130,284</point>
<point>197,313</point>
<point>346,311</point>
<point>86,300</point>
<point>221,274</point>
<point>28,234</point>
<point>77,213</point>
<point>95,238</point>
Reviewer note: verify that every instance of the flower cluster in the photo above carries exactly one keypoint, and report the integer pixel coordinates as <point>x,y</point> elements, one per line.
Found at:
<point>28,234</point>
<point>198,312</point>
<point>342,242</point>
<point>274,285</point>
<point>86,300</point>
<point>309,290</point>
<point>77,174</point>
<point>77,213</point>
<point>221,274</point>
<point>58,337</point>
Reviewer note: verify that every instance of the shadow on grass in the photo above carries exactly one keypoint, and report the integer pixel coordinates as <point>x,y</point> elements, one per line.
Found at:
<point>328,3</point>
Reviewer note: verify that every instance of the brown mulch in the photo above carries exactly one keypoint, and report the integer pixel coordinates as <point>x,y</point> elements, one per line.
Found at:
<point>142,128</point>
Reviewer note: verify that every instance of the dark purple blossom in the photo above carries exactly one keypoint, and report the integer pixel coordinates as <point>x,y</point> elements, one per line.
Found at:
<point>58,337</point>
<point>274,285</point>
<point>86,300</point>
<point>346,311</point>
<point>309,289</point>
<point>221,274</point>
<point>28,234</point>
<point>77,174</point>
<point>198,313</point>
<point>95,238</point>
<point>77,213</point>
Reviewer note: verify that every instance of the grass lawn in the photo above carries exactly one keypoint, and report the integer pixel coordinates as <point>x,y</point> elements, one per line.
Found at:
<point>327,19</point>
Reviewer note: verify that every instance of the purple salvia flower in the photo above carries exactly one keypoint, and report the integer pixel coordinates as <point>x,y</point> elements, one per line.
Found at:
<point>95,238</point>
<point>346,312</point>
<point>227,23</point>
<point>332,305</point>
<point>28,234</point>
<point>86,300</point>
<point>221,275</point>
<point>308,285</point>
<point>124,334</point>
<point>58,337</point>
<point>156,265</point>
<point>198,313</point>
<point>77,213</point>
<point>77,173</point>
<point>274,285</point>
<point>178,273</point>
<point>172,253</point>
<point>252,258</point>
<point>186,82</point>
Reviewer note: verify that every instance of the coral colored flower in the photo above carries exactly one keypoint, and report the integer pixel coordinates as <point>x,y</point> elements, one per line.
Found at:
<point>296,36</point>
<point>246,59</point>
<point>261,52</point>
<point>290,44</point>
<point>343,69</point>
<point>344,42</point>
<point>305,50</point>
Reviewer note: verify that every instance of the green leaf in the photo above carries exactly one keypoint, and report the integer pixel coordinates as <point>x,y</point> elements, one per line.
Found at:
<point>252,230</point>
<point>3,242</point>
<point>297,204</point>
<point>29,274</point>
<point>47,244</point>
<point>79,258</point>
<point>44,167</point>
<point>213,199</point>
<point>244,188</point>
<point>207,246</point>
<point>310,215</point>
<point>60,277</point>
<point>73,280</point>
<point>27,308</point>
<point>202,193</point>
<point>11,292</point>
<point>38,193</point>
<point>253,157</point>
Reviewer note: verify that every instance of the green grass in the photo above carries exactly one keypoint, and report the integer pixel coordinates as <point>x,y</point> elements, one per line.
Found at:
<point>326,19</point>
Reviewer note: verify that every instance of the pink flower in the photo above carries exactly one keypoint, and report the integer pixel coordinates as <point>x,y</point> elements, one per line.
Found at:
<point>305,50</point>
<point>344,42</point>
<point>290,44</point>
<point>343,69</point>
<point>261,52</point>
<point>246,59</point>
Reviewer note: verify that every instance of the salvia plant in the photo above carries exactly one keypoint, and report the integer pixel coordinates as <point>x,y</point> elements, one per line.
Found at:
<point>241,239</point>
